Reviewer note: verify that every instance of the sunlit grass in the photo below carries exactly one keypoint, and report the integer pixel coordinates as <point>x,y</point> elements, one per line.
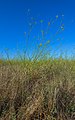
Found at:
<point>37,87</point>
<point>34,88</point>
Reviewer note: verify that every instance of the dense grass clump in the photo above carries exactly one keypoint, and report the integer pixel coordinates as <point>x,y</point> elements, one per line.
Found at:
<point>37,90</point>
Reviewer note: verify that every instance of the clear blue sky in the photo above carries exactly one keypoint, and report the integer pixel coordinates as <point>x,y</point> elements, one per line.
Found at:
<point>14,20</point>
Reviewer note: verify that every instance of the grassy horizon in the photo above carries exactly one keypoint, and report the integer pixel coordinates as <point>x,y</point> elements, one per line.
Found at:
<point>37,90</point>
<point>38,87</point>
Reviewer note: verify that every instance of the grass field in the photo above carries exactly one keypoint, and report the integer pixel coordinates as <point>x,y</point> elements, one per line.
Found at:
<point>38,86</point>
<point>37,90</point>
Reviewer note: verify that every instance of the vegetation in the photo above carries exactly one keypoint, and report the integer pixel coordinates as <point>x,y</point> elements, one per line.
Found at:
<point>38,88</point>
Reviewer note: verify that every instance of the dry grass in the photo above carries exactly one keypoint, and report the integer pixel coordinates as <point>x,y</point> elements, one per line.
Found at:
<point>37,90</point>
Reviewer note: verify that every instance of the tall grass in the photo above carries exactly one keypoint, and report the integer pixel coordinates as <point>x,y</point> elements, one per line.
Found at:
<point>37,87</point>
<point>38,90</point>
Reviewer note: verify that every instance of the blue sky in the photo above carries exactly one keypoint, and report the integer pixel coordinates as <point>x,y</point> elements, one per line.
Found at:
<point>16,14</point>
